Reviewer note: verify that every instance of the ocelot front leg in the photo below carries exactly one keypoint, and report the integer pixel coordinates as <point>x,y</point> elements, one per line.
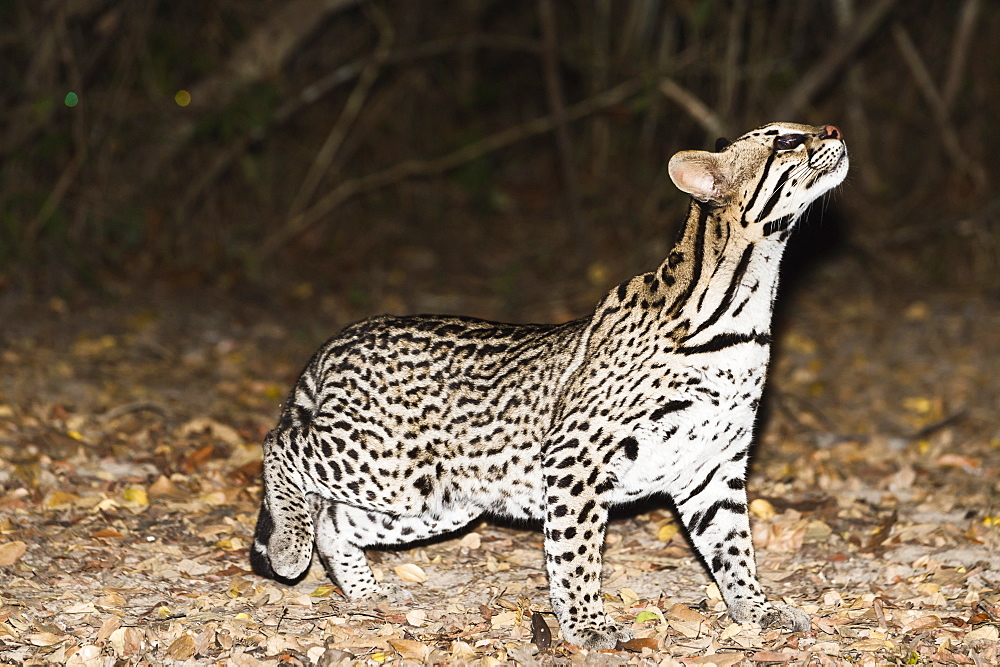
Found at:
<point>343,532</point>
<point>713,507</point>
<point>576,519</point>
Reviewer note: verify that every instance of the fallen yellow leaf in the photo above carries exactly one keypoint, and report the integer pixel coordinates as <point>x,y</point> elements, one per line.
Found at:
<point>667,531</point>
<point>762,509</point>
<point>323,592</point>
<point>647,615</point>
<point>61,498</point>
<point>135,496</point>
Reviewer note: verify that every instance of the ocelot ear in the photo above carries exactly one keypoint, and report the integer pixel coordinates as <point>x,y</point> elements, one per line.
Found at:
<point>698,173</point>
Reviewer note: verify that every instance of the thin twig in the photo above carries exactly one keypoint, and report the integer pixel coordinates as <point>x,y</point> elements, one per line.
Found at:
<point>352,107</point>
<point>553,90</point>
<point>698,110</point>
<point>64,46</point>
<point>134,406</point>
<point>263,52</point>
<point>729,77</point>
<point>34,227</point>
<point>323,86</point>
<point>959,52</point>
<point>836,58</point>
<point>666,62</point>
<point>857,116</point>
<point>925,84</point>
<point>600,48</point>
<point>422,168</point>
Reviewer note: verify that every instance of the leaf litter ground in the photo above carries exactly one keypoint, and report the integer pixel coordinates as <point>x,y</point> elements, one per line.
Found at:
<point>129,463</point>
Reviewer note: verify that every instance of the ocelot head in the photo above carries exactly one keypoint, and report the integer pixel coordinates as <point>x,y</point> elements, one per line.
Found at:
<point>767,178</point>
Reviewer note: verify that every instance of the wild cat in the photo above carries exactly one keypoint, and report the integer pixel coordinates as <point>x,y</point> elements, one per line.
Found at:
<point>401,428</point>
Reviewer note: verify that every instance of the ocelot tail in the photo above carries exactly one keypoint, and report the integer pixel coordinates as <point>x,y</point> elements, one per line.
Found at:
<point>401,428</point>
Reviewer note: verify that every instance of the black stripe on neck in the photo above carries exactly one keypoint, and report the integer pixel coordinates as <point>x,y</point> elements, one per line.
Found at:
<point>778,224</point>
<point>727,299</point>
<point>724,340</point>
<point>775,196</point>
<point>756,192</point>
<point>699,256</point>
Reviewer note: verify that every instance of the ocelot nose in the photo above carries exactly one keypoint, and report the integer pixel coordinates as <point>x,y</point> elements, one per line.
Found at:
<point>831,132</point>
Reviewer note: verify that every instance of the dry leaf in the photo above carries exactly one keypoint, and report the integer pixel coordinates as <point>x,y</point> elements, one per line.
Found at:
<point>126,641</point>
<point>182,648</point>
<point>718,659</point>
<point>628,596</point>
<point>44,638</point>
<point>471,541</point>
<point>106,534</point>
<point>771,656</point>
<point>505,619</point>
<point>682,612</point>
<point>410,649</point>
<point>411,573</point>
<point>59,499</point>
<point>11,552</point>
<point>323,591</point>
<point>164,488</point>
<point>416,617</point>
<point>667,532</point>
<point>223,432</point>
<point>193,568</point>
<point>108,627</point>
<point>638,644</point>
<point>135,496</point>
<point>762,509</point>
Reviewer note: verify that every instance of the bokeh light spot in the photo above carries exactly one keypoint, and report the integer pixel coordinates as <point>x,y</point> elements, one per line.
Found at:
<point>71,99</point>
<point>183,98</point>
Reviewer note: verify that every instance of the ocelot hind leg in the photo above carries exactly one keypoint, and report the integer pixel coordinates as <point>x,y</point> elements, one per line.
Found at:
<point>343,532</point>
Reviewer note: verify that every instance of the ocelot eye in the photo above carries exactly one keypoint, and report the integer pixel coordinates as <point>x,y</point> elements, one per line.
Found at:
<point>787,142</point>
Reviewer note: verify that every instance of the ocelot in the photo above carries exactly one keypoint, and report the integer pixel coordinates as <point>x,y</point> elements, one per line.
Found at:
<point>401,428</point>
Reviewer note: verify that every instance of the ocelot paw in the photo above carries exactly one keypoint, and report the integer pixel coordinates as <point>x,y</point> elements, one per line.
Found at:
<point>788,618</point>
<point>394,593</point>
<point>770,615</point>
<point>605,636</point>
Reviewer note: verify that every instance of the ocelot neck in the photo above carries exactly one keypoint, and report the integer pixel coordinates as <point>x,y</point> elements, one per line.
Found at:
<point>713,285</point>
<point>729,287</point>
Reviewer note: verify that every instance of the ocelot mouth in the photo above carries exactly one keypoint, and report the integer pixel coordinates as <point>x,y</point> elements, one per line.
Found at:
<point>821,160</point>
<point>840,158</point>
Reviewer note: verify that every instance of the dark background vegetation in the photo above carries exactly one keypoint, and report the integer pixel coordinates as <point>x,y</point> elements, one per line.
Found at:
<point>501,158</point>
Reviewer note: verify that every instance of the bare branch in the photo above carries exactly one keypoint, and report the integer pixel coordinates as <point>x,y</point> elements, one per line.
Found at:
<point>959,52</point>
<point>323,86</point>
<point>261,54</point>
<point>423,168</point>
<point>925,84</point>
<point>695,108</point>
<point>553,90</point>
<point>836,58</point>
<point>352,107</point>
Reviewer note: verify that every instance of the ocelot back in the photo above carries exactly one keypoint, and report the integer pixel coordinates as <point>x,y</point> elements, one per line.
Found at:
<point>401,428</point>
